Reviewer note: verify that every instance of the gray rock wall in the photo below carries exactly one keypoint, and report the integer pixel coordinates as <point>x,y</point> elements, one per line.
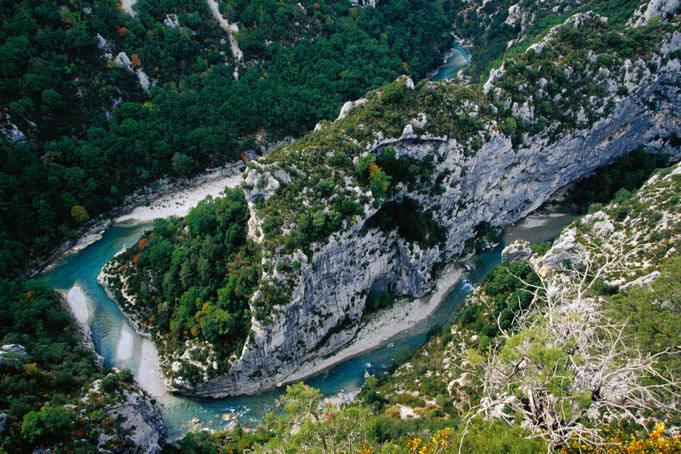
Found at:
<point>498,185</point>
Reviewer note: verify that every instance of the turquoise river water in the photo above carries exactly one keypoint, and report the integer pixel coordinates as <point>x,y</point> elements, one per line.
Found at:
<point>121,347</point>
<point>459,60</point>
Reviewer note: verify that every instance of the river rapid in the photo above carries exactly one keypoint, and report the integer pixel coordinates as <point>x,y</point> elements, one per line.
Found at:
<point>120,346</point>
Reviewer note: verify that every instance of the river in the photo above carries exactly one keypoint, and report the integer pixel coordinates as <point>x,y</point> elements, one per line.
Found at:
<point>122,347</point>
<point>459,59</point>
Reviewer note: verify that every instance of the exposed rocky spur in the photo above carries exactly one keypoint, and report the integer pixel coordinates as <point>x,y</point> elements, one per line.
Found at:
<point>402,183</point>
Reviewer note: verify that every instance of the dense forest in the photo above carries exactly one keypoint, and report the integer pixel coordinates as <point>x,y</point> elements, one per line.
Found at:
<point>97,103</point>
<point>495,34</point>
<point>45,374</point>
<point>192,278</point>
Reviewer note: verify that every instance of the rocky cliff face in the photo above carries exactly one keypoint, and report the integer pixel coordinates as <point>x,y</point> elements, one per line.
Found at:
<point>498,184</point>
<point>138,419</point>
<point>141,419</point>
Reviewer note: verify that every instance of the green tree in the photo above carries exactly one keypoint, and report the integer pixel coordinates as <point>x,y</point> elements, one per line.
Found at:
<point>79,214</point>
<point>182,164</point>
<point>46,424</point>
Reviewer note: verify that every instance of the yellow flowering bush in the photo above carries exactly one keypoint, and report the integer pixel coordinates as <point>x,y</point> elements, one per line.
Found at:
<point>436,444</point>
<point>619,443</point>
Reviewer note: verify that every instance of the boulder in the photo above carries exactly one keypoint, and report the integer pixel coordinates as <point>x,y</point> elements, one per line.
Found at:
<point>517,250</point>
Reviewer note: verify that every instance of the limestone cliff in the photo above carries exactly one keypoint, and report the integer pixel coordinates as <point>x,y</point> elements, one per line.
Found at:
<point>493,175</point>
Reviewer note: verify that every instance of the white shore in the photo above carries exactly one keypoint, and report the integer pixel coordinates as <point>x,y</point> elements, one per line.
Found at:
<point>179,203</point>
<point>79,305</point>
<point>149,374</point>
<point>385,325</point>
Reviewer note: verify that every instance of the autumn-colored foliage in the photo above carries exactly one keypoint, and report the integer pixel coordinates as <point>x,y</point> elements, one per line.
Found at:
<point>373,168</point>
<point>31,368</point>
<point>143,243</point>
<point>79,213</point>
<point>366,448</point>
<point>121,31</point>
<point>136,258</point>
<point>135,60</point>
<point>619,443</point>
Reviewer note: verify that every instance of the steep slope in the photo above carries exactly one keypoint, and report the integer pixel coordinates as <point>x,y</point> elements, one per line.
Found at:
<point>526,353</point>
<point>56,395</point>
<point>408,175</point>
<point>98,102</point>
<point>600,305</point>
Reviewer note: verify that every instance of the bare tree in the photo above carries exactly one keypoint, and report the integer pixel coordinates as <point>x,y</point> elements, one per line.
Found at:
<point>567,366</point>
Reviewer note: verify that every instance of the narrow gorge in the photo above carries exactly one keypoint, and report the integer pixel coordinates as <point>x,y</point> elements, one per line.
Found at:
<point>490,155</point>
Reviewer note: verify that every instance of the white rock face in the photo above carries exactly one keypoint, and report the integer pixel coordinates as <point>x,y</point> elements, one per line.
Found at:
<point>143,80</point>
<point>496,184</point>
<point>11,132</point>
<point>654,8</point>
<point>11,353</point>
<point>517,250</point>
<point>142,418</point>
<point>513,14</point>
<point>348,106</point>
<point>237,53</point>
<point>493,75</point>
<point>127,6</point>
<point>124,62</point>
<point>363,3</point>
<point>643,280</point>
<point>171,21</point>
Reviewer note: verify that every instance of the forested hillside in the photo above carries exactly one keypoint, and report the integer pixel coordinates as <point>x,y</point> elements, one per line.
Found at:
<point>505,28</point>
<point>54,393</point>
<point>573,348</point>
<point>97,102</point>
<point>191,280</point>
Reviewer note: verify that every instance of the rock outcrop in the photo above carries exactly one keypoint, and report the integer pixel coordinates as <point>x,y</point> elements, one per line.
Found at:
<point>653,9</point>
<point>517,250</point>
<point>12,353</point>
<point>498,184</point>
<point>527,134</point>
<point>141,419</point>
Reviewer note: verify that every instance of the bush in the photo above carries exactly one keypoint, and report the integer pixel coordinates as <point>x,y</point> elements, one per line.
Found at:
<point>541,248</point>
<point>48,424</point>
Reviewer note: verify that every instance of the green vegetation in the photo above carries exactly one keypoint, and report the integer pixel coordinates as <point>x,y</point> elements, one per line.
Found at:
<point>192,278</point>
<point>506,288</point>
<point>377,299</point>
<point>490,334</point>
<point>654,315</point>
<point>310,426</point>
<point>93,135</point>
<point>491,32</point>
<point>558,91</point>
<point>411,222</point>
<point>621,177</point>
<point>323,159</point>
<point>43,390</point>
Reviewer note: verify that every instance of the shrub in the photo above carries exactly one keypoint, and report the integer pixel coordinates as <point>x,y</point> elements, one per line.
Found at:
<point>47,424</point>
